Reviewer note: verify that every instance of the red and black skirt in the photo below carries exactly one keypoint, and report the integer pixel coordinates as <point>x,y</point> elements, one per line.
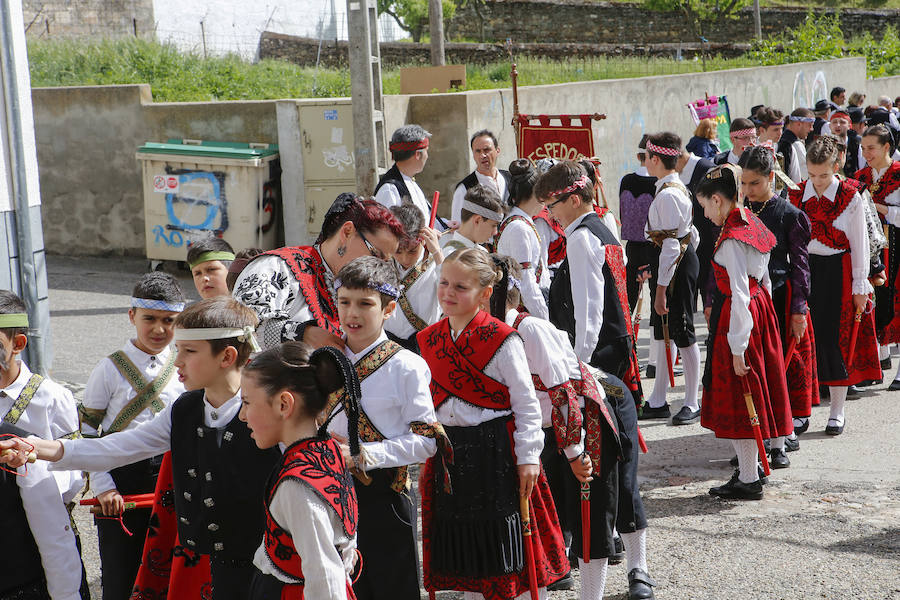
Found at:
<point>802,371</point>
<point>828,274</point>
<point>724,410</point>
<point>472,539</point>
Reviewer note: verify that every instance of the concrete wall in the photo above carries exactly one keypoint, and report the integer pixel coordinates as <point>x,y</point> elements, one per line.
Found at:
<point>308,52</point>
<point>91,182</point>
<point>883,86</point>
<point>617,22</point>
<point>632,106</point>
<point>88,18</point>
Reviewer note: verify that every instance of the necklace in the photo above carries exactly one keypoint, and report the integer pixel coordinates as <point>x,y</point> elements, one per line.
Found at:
<point>876,185</point>
<point>761,208</point>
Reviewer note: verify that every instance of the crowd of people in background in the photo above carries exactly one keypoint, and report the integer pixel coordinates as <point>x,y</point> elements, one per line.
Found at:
<point>270,454</point>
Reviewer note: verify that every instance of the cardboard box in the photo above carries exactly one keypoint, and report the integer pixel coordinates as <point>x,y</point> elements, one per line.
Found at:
<point>425,80</point>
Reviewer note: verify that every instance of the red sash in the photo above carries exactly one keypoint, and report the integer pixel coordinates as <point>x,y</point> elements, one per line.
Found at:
<point>556,253</point>
<point>457,366</point>
<point>308,268</point>
<point>887,185</point>
<point>319,464</point>
<point>822,213</point>
<point>743,226</point>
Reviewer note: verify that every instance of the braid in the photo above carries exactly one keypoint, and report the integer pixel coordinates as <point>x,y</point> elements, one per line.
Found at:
<point>351,388</point>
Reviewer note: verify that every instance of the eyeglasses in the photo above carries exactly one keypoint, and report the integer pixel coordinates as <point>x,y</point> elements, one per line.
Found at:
<point>372,249</point>
<point>555,202</point>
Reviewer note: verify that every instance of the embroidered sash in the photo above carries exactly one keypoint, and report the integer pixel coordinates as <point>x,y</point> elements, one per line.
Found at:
<point>18,408</point>
<point>367,365</point>
<point>403,301</point>
<point>457,366</point>
<point>308,268</point>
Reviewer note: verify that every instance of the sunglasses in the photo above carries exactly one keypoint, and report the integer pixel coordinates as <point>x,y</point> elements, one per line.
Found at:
<point>372,249</point>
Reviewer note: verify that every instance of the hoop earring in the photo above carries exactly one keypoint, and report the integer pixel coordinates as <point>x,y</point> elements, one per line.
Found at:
<point>341,251</point>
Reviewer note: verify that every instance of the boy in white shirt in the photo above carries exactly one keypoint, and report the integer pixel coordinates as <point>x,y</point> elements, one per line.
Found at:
<point>481,213</point>
<point>128,388</point>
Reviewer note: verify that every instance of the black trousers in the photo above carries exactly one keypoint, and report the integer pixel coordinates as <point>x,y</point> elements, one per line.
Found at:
<point>121,554</point>
<point>682,301</point>
<point>231,579</point>
<point>36,590</point>
<point>386,541</point>
<point>638,255</point>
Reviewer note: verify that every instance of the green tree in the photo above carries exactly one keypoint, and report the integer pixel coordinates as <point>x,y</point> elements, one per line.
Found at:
<point>412,15</point>
<point>700,13</point>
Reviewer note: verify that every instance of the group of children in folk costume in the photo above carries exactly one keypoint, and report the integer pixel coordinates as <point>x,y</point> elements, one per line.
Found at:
<point>495,382</point>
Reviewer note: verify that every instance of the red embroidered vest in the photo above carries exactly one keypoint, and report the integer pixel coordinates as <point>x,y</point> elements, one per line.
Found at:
<point>457,366</point>
<point>888,184</point>
<point>557,250</point>
<point>822,213</point>
<point>319,464</point>
<point>308,268</point>
<point>752,232</point>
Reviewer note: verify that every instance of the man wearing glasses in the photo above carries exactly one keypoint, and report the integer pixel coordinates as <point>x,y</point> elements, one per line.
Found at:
<point>743,135</point>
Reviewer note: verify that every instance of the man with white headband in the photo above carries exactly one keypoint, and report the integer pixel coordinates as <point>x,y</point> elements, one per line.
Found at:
<point>793,143</point>
<point>481,212</point>
<point>125,389</point>
<point>674,280</point>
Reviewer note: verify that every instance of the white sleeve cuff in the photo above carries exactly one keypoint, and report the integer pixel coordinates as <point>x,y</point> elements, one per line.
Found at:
<point>861,286</point>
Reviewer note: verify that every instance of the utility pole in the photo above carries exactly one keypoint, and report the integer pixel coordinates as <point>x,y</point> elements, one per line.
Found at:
<point>370,152</point>
<point>757,21</point>
<point>436,26</point>
<point>20,209</point>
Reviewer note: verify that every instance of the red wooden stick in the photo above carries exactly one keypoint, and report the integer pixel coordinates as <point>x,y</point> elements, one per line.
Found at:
<point>853,334</point>
<point>665,325</point>
<point>641,441</point>
<point>128,498</point>
<point>529,548</point>
<point>586,521</point>
<point>434,205</point>
<point>754,423</point>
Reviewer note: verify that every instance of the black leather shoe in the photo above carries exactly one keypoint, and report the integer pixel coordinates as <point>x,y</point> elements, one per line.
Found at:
<point>735,489</point>
<point>566,583</point>
<point>619,555</point>
<point>834,429</point>
<point>778,459</point>
<point>886,364</point>
<point>870,382</point>
<point>686,416</point>
<point>853,392</point>
<point>647,412</point>
<point>791,445</point>
<point>650,372</point>
<point>763,480</point>
<point>895,385</point>
<point>640,585</point>
<point>798,429</point>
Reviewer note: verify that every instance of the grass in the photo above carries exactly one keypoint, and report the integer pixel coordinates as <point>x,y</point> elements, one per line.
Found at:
<point>177,77</point>
<point>865,4</point>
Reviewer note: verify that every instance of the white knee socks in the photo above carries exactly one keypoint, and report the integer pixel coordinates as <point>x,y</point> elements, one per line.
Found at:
<point>661,383</point>
<point>838,396</point>
<point>777,443</point>
<point>884,352</point>
<point>593,578</point>
<point>635,550</point>
<point>690,356</point>
<point>747,460</point>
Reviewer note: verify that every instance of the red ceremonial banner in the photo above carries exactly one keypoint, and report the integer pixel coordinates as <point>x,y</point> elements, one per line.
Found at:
<point>571,139</point>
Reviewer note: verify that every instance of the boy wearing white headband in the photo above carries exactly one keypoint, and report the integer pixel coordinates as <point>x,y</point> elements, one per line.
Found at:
<point>125,389</point>
<point>481,212</point>
<point>209,260</point>
<point>219,473</point>
<point>397,428</point>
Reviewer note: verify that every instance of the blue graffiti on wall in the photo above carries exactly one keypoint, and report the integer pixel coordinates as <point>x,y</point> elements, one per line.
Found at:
<point>198,208</point>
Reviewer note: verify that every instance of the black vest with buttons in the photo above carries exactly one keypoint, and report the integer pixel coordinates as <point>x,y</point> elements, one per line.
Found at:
<point>219,480</point>
<point>22,564</point>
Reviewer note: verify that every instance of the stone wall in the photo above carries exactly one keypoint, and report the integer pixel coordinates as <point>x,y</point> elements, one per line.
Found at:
<point>587,21</point>
<point>88,18</point>
<point>331,53</point>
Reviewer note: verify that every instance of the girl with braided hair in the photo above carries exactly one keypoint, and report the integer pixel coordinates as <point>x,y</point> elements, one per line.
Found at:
<point>838,260</point>
<point>744,343</point>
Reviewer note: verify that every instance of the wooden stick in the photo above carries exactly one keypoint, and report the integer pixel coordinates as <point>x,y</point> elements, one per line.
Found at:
<point>30,457</point>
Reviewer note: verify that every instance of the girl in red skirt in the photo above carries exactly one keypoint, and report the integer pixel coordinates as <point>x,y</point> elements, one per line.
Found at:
<point>839,283</point>
<point>484,396</point>
<point>745,341</point>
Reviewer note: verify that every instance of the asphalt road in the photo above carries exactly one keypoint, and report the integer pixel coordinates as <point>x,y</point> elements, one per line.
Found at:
<point>829,526</point>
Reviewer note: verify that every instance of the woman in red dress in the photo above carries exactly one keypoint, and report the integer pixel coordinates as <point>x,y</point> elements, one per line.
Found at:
<point>745,342</point>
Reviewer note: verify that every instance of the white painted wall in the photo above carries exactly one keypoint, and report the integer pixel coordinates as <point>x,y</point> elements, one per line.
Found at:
<point>234,26</point>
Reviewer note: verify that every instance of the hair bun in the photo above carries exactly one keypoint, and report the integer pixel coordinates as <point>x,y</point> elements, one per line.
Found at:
<point>328,368</point>
<point>521,168</point>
